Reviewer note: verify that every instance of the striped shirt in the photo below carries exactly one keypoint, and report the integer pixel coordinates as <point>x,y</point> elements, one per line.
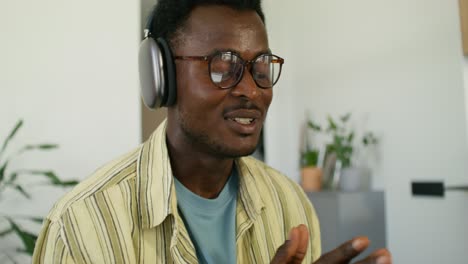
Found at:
<point>126,212</point>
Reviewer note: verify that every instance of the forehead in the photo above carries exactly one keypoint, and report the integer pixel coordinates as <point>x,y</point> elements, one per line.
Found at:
<point>210,28</point>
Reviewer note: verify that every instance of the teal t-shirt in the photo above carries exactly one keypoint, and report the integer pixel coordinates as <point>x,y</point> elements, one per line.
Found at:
<point>211,223</point>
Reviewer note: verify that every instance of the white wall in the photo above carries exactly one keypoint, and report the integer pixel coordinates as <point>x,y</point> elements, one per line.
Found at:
<point>398,65</point>
<point>69,69</point>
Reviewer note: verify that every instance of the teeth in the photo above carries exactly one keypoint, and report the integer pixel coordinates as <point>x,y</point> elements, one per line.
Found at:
<point>244,121</point>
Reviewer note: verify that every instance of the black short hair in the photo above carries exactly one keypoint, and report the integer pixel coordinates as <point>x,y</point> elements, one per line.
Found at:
<point>169,16</point>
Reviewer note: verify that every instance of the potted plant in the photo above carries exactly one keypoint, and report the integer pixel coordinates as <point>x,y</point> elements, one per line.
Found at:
<point>339,153</point>
<point>9,180</point>
<point>311,174</point>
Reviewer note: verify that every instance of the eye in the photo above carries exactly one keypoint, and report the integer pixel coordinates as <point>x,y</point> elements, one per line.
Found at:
<point>261,70</point>
<point>228,57</point>
<point>260,75</point>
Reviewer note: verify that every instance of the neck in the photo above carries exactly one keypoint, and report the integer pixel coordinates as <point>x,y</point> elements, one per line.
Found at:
<point>200,172</point>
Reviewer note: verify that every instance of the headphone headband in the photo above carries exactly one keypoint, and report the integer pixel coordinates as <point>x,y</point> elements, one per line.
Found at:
<point>149,25</point>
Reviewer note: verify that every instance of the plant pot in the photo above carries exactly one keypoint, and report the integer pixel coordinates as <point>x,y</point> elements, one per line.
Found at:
<point>311,179</point>
<point>354,179</point>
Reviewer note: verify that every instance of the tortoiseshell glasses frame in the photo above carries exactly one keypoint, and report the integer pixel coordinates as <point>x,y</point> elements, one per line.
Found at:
<point>226,68</point>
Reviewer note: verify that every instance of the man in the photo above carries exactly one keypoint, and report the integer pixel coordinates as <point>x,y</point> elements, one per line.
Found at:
<point>189,194</point>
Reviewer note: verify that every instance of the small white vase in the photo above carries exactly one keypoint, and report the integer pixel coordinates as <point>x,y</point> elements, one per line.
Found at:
<point>354,179</point>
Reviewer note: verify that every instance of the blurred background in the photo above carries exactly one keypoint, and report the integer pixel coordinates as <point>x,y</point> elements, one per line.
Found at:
<point>69,71</point>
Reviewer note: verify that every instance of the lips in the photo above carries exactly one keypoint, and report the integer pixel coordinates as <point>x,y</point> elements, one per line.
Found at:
<point>244,121</point>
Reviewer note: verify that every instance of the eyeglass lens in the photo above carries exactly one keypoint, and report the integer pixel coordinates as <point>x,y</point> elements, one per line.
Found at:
<point>226,70</point>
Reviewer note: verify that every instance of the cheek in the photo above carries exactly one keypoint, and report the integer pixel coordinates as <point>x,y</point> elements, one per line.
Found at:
<point>267,97</point>
<point>190,77</point>
<point>196,94</point>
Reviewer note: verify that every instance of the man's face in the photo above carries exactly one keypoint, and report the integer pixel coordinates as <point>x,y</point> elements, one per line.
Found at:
<point>205,116</point>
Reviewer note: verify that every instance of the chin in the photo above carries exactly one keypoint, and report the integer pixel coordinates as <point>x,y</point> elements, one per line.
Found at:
<point>224,146</point>
<point>244,153</point>
<point>235,151</point>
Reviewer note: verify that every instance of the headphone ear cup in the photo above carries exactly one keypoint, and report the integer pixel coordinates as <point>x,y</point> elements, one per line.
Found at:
<point>170,90</point>
<point>153,80</point>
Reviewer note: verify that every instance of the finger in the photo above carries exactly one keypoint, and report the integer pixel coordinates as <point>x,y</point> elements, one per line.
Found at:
<point>302,245</point>
<point>381,256</point>
<point>285,252</point>
<point>303,241</point>
<point>345,252</point>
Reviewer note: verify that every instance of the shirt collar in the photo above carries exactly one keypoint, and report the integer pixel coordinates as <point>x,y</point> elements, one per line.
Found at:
<point>248,186</point>
<point>155,188</point>
<point>156,197</point>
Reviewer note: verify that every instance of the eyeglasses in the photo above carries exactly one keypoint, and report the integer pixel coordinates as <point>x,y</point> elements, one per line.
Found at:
<point>226,68</point>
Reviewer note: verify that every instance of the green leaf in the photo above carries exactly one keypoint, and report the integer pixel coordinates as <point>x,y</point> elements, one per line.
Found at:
<point>348,150</point>
<point>41,146</point>
<point>38,220</point>
<point>6,232</point>
<point>66,183</point>
<point>12,177</point>
<point>369,139</point>
<point>346,163</point>
<point>337,140</point>
<point>52,177</point>
<point>345,118</point>
<point>331,148</point>
<point>351,137</point>
<point>38,146</point>
<point>22,191</point>
<point>49,174</point>
<point>331,124</point>
<point>314,126</point>
<point>28,239</point>
<point>2,171</point>
<point>11,135</point>
<point>310,158</point>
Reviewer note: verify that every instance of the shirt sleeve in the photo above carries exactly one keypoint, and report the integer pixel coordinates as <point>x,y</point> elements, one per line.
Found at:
<point>50,247</point>
<point>313,223</point>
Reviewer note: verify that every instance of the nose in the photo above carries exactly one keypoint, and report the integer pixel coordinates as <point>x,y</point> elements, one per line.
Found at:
<point>246,87</point>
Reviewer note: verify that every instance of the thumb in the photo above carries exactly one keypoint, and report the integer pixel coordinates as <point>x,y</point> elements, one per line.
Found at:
<point>287,251</point>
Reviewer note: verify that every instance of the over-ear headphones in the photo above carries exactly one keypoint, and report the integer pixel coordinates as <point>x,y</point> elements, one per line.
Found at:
<point>157,70</point>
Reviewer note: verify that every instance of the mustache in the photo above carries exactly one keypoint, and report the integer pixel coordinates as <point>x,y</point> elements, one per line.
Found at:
<point>245,105</point>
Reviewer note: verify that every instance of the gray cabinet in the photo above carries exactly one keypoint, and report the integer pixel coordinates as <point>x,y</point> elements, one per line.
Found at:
<point>345,215</point>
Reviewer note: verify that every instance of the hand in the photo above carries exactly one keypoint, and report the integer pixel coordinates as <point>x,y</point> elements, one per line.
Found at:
<point>294,249</point>
<point>352,248</point>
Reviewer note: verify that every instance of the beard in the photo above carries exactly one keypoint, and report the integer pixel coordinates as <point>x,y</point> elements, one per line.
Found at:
<point>214,146</point>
